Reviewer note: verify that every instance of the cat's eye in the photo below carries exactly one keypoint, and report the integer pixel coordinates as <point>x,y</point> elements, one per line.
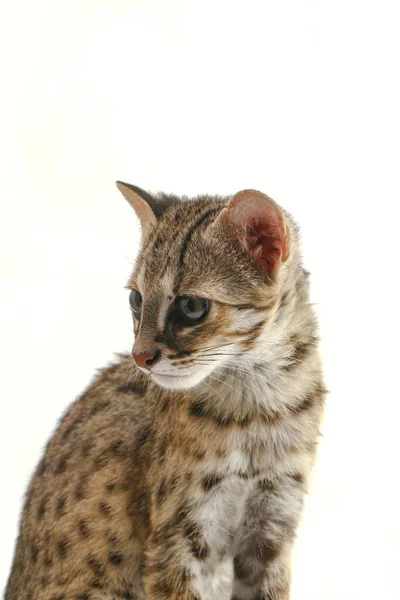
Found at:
<point>136,301</point>
<point>191,310</point>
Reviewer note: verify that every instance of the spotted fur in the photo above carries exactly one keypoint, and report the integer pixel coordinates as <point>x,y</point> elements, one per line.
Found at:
<point>189,490</point>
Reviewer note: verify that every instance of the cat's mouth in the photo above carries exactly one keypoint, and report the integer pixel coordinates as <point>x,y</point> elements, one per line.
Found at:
<point>159,377</point>
<point>174,382</point>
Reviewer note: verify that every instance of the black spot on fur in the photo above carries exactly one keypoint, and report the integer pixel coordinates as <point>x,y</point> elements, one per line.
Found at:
<point>48,560</point>
<point>63,546</point>
<point>60,509</point>
<point>83,528</point>
<point>102,460</point>
<point>62,466</point>
<point>67,432</point>
<point>210,481</point>
<point>300,352</point>
<point>162,490</point>
<point>250,474</point>
<point>96,566</point>
<point>199,454</point>
<point>87,448</point>
<point>198,546</point>
<point>239,568</point>
<point>306,404</point>
<point>42,467</point>
<point>197,410</point>
<point>265,551</point>
<point>132,388</point>
<point>112,538</point>
<point>124,594</point>
<point>266,485</point>
<point>298,477</point>
<point>80,489</point>
<point>180,515</point>
<point>144,434</point>
<point>200,551</point>
<point>285,299</point>
<point>224,421</point>
<point>98,407</point>
<point>158,243</point>
<point>118,448</point>
<point>41,510</point>
<point>34,552</point>
<point>105,509</point>
<point>115,558</point>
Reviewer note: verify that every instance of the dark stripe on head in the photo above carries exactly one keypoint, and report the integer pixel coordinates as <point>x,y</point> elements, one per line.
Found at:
<point>253,307</point>
<point>253,331</point>
<point>189,235</point>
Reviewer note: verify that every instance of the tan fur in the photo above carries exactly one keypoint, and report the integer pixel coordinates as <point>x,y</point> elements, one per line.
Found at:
<point>192,493</point>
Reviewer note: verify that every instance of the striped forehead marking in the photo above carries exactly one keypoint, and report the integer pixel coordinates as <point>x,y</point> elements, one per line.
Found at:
<point>166,285</point>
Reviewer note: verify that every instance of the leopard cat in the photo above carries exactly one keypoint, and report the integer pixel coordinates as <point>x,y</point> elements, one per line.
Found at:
<point>180,472</point>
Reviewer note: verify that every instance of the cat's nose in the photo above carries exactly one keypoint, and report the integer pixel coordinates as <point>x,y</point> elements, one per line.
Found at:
<point>146,360</point>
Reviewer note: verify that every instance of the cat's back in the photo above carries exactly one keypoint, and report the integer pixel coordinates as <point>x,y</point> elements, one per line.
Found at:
<point>77,527</point>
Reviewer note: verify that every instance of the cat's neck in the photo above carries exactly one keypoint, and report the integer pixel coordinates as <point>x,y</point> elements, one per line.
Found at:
<point>262,382</point>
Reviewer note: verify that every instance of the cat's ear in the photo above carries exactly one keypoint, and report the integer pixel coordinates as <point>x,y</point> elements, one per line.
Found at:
<point>261,228</point>
<point>140,201</point>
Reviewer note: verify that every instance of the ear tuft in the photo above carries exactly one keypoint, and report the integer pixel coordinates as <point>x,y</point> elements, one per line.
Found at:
<point>261,227</point>
<point>140,202</point>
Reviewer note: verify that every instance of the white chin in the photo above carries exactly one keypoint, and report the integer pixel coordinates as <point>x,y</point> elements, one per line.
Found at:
<point>172,382</point>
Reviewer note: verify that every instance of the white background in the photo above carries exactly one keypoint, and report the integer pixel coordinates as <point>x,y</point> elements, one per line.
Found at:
<point>297,98</point>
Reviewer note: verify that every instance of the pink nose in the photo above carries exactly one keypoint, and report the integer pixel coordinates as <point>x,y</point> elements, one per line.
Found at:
<point>145,360</point>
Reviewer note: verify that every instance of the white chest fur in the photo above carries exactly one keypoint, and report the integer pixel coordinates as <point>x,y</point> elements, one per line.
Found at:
<point>220,516</point>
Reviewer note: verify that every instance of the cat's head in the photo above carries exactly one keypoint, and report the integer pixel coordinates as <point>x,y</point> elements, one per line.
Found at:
<point>207,282</point>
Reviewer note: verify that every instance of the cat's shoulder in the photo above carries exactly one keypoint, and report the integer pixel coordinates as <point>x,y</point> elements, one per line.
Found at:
<point>117,391</point>
<point>104,420</point>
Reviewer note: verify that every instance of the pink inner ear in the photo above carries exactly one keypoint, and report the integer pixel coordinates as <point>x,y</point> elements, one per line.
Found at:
<point>267,242</point>
<point>265,233</point>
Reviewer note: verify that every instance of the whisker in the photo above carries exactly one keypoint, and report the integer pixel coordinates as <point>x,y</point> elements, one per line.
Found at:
<point>224,382</point>
<point>200,350</point>
<point>130,375</point>
<point>215,346</point>
<point>243,383</point>
<point>213,389</point>
<point>223,354</point>
<point>268,382</point>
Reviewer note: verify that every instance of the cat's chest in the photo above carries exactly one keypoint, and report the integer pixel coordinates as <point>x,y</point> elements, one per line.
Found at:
<point>220,515</point>
<point>254,452</point>
<point>223,484</point>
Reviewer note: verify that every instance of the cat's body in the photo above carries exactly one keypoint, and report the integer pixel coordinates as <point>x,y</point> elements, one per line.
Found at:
<point>190,489</point>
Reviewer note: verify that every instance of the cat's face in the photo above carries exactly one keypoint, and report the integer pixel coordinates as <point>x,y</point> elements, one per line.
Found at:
<point>206,283</point>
